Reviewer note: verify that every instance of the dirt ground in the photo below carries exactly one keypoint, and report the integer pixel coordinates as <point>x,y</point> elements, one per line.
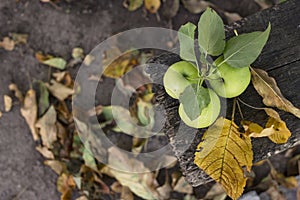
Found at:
<point>55,31</point>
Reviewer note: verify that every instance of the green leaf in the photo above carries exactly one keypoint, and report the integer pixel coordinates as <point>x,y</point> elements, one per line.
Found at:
<point>186,39</point>
<point>211,34</point>
<point>58,63</point>
<point>88,157</point>
<point>242,50</point>
<point>194,99</point>
<point>134,4</point>
<point>43,98</point>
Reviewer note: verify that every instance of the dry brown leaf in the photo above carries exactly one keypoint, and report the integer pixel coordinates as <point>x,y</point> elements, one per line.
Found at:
<point>152,5</point>
<point>116,187</point>
<point>14,88</point>
<point>126,193</point>
<point>88,60</point>
<point>232,17</point>
<point>183,187</point>
<point>47,126</point>
<point>45,152</point>
<point>59,76</point>
<point>60,91</point>
<point>19,38</point>
<point>195,6</point>
<point>225,155</point>
<point>267,87</point>
<point>65,186</point>
<point>7,103</point>
<point>57,166</point>
<point>215,191</point>
<point>142,184</point>
<point>7,44</point>
<point>82,198</point>
<point>29,112</point>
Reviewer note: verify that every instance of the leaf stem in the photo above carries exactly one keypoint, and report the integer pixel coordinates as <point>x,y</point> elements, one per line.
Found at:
<point>250,106</point>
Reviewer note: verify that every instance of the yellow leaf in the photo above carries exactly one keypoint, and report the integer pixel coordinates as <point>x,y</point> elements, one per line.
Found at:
<point>152,5</point>
<point>275,128</point>
<point>267,87</point>
<point>7,103</point>
<point>29,112</point>
<point>57,166</point>
<point>47,126</point>
<point>116,68</point>
<point>251,128</point>
<point>225,154</point>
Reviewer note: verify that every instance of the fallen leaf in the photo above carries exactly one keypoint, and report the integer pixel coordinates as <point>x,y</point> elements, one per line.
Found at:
<point>1,114</point>
<point>82,198</point>
<point>132,5</point>
<point>116,187</point>
<point>116,68</point>
<point>170,8</point>
<point>88,157</point>
<point>232,17</point>
<point>7,103</point>
<point>224,156</point>
<point>7,44</point>
<point>14,88</point>
<point>29,111</point>
<point>41,57</point>
<point>77,53</point>
<point>58,63</point>
<point>152,5</point>
<point>57,166</point>
<point>166,189</point>
<point>47,126</point>
<point>43,101</point>
<point>60,91</point>
<point>45,152</point>
<point>142,184</point>
<point>88,60</point>
<point>59,76</point>
<point>65,186</point>
<point>126,193</point>
<point>251,129</point>
<point>19,38</point>
<point>215,191</point>
<point>183,187</point>
<point>276,128</point>
<point>195,6</point>
<point>267,87</point>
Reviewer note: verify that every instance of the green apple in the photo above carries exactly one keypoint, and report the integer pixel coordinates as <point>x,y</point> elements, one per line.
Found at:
<point>208,115</point>
<point>229,82</point>
<point>178,77</point>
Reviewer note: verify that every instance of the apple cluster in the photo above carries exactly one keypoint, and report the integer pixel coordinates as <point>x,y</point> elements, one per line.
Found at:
<point>227,76</point>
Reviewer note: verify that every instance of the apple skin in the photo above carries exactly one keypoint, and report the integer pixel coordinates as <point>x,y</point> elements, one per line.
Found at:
<point>178,77</point>
<point>235,80</point>
<point>208,114</point>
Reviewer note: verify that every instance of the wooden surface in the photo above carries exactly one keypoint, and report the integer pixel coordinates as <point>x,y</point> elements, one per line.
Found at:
<point>280,58</point>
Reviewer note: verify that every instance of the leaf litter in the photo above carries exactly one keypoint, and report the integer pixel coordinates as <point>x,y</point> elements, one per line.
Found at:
<point>61,145</point>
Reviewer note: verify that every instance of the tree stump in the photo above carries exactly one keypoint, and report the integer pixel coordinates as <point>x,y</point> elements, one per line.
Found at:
<point>280,58</point>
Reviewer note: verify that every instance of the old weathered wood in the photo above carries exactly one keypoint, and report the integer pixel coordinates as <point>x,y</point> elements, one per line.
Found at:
<point>280,58</point>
